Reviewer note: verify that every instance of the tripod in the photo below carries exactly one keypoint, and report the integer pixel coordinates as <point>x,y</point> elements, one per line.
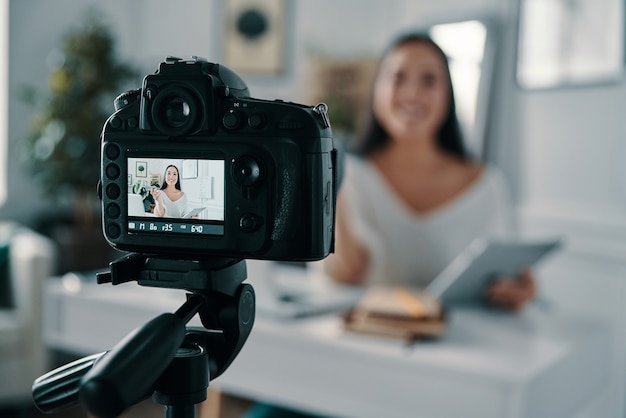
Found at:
<point>164,357</point>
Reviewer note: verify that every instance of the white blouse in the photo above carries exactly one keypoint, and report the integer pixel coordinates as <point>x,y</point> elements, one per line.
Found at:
<point>411,249</point>
<point>174,209</point>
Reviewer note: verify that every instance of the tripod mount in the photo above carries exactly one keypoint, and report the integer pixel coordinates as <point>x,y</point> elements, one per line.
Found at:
<point>164,357</point>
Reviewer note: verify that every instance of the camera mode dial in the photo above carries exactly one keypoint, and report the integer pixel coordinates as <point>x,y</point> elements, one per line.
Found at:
<point>126,98</point>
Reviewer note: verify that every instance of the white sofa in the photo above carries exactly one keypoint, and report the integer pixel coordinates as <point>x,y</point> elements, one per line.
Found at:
<point>31,259</point>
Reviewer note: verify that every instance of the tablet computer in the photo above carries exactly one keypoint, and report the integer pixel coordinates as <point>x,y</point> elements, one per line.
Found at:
<point>193,212</point>
<point>464,280</point>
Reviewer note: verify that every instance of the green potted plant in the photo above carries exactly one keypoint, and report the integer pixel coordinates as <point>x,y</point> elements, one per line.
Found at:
<point>63,149</point>
<point>146,197</point>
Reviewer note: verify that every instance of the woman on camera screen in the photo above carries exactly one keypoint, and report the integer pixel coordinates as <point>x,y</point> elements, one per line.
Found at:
<point>170,200</point>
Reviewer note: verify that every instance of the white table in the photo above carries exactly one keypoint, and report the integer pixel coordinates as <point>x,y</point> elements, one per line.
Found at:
<point>534,364</point>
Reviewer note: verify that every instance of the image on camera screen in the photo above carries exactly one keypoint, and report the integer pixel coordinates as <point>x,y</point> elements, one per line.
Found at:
<point>176,195</point>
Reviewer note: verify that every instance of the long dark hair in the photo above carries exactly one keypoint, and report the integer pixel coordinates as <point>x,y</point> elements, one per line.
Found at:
<point>164,185</point>
<point>373,136</point>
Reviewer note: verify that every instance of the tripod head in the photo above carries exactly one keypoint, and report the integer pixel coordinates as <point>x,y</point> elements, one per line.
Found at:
<point>164,356</point>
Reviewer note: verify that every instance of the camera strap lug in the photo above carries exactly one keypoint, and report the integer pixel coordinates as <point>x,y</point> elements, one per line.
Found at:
<point>321,110</point>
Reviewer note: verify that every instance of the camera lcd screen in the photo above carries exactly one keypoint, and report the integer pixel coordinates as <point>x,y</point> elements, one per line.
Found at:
<point>179,196</point>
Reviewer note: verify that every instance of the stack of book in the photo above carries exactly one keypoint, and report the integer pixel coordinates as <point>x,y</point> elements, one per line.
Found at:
<point>397,312</point>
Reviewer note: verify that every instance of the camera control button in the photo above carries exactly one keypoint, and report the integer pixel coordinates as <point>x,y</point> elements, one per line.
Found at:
<point>113,210</point>
<point>115,122</point>
<point>256,120</point>
<point>113,171</point>
<point>112,151</point>
<point>231,119</point>
<point>249,223</point>
<point>113,191</point>
<point>113,231</point>
<point>246,171</point>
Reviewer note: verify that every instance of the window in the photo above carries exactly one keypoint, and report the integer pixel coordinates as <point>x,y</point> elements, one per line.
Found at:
<point>465,44</point>
<point>568,42</point>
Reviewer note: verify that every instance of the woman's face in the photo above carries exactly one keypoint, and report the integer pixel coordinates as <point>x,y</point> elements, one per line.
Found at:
<point>171,176</point>
<point>411,92</point>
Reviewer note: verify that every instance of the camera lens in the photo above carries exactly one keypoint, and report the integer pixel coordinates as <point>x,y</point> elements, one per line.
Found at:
<point>175,111</point>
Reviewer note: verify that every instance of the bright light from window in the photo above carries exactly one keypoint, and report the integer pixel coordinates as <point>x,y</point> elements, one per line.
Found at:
<point>565,42</point>
<point>464,43</point>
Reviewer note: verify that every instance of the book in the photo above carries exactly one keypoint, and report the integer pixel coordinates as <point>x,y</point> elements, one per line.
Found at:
<point>397,312</point>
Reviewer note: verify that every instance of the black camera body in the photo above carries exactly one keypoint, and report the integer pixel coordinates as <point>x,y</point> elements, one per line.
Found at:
<point>255,178</point>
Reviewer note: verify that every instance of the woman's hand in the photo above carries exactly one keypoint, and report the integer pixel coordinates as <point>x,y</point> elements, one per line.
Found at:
<point>513,294</point>
<point>156,193</point>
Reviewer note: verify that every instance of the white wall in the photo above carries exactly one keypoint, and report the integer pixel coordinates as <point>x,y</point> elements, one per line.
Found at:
<point>570,175</point>
<point>572,145</point>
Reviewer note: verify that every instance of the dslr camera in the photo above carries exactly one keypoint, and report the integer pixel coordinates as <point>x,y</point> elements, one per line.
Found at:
<point>247,178</point>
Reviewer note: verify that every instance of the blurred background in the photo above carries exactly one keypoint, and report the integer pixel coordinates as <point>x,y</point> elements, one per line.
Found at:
<point>554,126</point>
<point>540,88</point>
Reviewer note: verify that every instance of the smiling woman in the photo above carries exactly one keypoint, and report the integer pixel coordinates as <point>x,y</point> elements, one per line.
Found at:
<point>412,198</point>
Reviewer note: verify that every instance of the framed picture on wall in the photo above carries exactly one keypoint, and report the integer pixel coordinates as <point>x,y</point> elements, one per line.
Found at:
<point>141,169</point>
<point>155,180</point>
<point>190,169</point>
<point>254,38</point>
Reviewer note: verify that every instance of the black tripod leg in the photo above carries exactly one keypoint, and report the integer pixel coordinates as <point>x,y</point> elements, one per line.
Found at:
<point>185,382</point>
